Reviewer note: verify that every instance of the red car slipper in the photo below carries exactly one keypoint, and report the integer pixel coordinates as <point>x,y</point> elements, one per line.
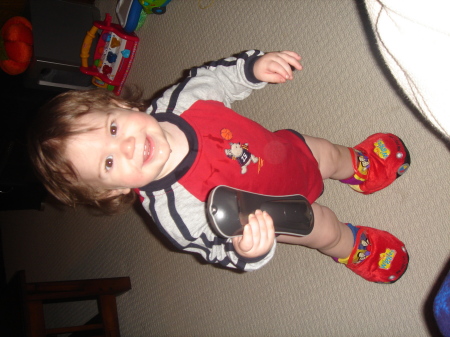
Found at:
<point>377,256</point>
<point>377,162</point>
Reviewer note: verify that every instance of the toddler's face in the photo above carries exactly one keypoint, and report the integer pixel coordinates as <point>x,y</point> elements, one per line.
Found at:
<point>127,149</point>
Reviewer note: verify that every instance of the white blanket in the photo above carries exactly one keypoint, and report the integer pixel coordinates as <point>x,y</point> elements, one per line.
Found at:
<point>414,39</point>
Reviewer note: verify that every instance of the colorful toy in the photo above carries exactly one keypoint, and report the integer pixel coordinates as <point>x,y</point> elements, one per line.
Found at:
<point>132,13</point>
<point>113,55</point>
<point>16,45</point>
<point>154,6</point>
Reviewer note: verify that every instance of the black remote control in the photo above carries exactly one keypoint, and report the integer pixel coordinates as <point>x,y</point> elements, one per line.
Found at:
<point>228,210</point>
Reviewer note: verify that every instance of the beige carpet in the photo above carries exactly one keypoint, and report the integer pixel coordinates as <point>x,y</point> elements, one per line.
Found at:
<point>342,95</point>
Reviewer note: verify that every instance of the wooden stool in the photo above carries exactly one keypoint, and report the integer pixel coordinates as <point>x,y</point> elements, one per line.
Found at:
<point>35,295</point>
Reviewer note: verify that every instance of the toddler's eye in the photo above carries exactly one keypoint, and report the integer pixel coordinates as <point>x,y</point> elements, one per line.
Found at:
<point>113,129</point>
<point>108,163</point>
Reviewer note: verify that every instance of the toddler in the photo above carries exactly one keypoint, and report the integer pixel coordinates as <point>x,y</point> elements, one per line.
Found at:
<point>93,148</point>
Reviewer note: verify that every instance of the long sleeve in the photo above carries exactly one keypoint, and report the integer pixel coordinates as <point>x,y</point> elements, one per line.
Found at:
<point>224,81</point>
<point>181,218</point>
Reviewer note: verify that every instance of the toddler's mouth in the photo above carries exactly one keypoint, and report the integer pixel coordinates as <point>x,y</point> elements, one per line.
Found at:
<point>148,150</point>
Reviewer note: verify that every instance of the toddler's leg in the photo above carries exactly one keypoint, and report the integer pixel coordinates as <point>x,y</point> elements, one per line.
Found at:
<point>368,167</point>
<point>329,235</point>
<point>375,255</point>
<point>335,161</point>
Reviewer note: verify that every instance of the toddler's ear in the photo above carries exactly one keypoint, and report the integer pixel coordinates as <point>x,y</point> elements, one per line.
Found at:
<point>116,192</point>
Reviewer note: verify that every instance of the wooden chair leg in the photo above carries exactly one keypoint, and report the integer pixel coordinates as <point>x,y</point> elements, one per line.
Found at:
<point>107,308</point>
<point>35,319</point>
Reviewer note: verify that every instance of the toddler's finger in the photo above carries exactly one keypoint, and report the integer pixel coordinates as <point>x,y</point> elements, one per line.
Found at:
<point>270,228</point>
<point>292,60</point>
<point>246,241</point>
<point>267,234</point>
<point>292,53</point>
<point>256,230</point>
<point>281,72</point>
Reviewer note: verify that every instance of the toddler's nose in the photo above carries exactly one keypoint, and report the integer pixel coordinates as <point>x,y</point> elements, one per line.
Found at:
<point>127,147</point>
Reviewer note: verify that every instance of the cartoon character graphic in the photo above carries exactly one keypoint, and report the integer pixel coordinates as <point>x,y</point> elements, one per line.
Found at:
<point>362,252</point>
<point>239,152</point>
<point>364,163</point>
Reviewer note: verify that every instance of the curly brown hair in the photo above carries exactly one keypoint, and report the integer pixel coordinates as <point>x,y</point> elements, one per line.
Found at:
<point>56,122</point>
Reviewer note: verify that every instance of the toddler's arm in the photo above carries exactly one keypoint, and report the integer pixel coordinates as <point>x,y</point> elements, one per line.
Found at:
<point>181,218</point>
<point>228,80</point>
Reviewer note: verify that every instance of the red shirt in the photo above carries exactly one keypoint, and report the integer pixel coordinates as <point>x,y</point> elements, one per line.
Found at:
<point>238,152</point>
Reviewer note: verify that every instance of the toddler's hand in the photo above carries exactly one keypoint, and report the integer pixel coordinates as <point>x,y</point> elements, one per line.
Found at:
<point>258,237</point>
<point>275,67</point>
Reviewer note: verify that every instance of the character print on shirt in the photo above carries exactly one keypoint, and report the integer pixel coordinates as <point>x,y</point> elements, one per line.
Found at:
<point>241,154</point>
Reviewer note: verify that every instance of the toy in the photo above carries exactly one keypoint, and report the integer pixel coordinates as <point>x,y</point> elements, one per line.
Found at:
<point>132,13</point>
<point>16,47</point>
<point>154,6</point>
<point>113,55</point>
